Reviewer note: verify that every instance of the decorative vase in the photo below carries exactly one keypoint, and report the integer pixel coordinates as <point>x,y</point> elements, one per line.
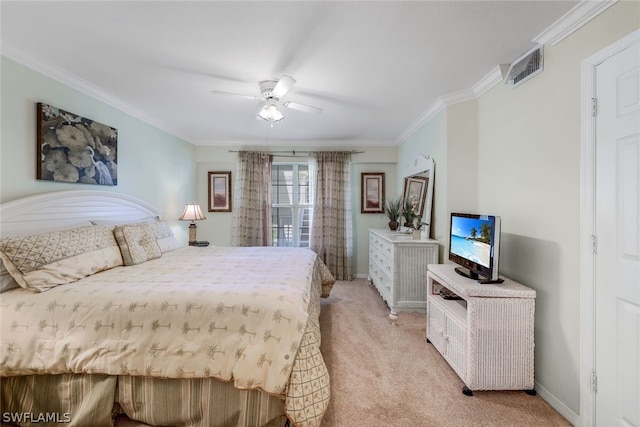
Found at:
<point>417,234</point>
<point>393,225</point>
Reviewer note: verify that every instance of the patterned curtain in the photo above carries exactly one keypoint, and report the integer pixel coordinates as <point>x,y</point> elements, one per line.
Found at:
<point>251,223</point>
<point>331,233</point>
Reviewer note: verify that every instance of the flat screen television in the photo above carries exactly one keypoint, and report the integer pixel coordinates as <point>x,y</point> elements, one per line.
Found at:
<point>474,244</point>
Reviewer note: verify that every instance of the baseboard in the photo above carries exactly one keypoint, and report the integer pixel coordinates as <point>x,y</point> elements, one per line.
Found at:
<point>361,276</point>
<point>556,404</point>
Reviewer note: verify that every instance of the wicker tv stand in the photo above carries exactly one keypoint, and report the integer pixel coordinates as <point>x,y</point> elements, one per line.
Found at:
<point>487,335</point>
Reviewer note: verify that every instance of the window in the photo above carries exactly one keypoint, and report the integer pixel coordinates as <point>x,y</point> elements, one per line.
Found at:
<point>292,204</point>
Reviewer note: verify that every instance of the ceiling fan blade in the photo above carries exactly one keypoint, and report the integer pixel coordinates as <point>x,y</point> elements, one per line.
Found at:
<point>302,107</point>
<point>240,95</point>
<point>284,84</point>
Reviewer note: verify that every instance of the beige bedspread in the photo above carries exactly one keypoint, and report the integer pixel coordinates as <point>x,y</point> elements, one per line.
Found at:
<point>247,315</point>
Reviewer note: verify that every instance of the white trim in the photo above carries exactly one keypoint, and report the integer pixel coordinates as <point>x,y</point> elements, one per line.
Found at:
<point>429,114</point>
<point>65,77</point>
<point>458,97</point>
<point>572,21</point>
<point>587,229</point>
<point>587,225</point>
<point>437,107</point>
<point>557,404</point>
<point>494,77</point>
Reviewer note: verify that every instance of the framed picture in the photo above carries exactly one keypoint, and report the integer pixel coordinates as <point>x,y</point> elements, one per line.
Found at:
<point>415,190</point>
<point>74,149</point>
<point>220,191</point>
<point>372,192</point>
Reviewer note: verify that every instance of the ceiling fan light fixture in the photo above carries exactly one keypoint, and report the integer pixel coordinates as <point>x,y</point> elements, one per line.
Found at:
<point>270,113</point>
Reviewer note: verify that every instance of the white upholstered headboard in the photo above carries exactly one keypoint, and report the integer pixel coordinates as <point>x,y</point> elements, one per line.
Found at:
<point>64,209</point>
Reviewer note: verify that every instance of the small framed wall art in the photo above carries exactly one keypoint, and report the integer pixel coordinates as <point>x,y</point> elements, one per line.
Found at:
<point>220,191</point>
<point>372,192</point>
<point>71,148</point>
<point>415,190</point>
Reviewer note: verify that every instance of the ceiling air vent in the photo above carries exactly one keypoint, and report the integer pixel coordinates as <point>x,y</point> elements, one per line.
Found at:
<point>525,67</point>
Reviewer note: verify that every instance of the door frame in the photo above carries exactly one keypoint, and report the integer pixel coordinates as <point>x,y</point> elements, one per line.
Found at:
<point>587,224</point>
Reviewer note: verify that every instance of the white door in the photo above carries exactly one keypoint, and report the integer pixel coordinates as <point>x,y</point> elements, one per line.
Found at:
<point>618,240</point>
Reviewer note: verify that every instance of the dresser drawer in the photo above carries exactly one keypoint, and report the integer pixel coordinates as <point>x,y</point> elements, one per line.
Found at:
<point>384,262</point>
<point>398,268</point>
<point>381,245</point>
<point>381,280</point>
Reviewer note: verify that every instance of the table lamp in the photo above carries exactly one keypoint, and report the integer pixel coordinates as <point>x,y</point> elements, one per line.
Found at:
<point>193,213</point>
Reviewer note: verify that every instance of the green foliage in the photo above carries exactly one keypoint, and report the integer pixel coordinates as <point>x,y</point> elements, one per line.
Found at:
<point>393,208</point>
<point>409,214</point>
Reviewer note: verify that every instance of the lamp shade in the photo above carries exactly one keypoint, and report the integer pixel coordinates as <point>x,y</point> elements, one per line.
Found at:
<point>270,113</point>
<point>192,212</point>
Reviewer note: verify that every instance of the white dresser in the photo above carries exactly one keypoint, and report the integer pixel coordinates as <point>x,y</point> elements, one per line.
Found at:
<point>398,268</point>
<point>487,335</point>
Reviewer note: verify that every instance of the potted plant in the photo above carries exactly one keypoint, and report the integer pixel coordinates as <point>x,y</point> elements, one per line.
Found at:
<point>393,210</point>
<point>416,228</point>
<point>409,214</point>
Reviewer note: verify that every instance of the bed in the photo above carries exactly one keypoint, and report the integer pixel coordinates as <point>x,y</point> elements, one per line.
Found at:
<point>113,316</point>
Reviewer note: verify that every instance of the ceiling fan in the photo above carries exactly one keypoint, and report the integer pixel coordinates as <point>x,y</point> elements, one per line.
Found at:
<point>271,92</point>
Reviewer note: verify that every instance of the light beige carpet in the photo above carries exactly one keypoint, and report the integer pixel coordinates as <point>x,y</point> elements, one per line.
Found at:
<point>385,375</point>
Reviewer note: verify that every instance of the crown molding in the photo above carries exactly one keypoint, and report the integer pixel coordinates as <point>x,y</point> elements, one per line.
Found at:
<point>573,20</point>
<point>56,73</point>
<point>487,82</point>
<point>458,97</point>
<point>570,22</point>
<point>429,114</point>
<point>324,143</point>
<point>494,77</point>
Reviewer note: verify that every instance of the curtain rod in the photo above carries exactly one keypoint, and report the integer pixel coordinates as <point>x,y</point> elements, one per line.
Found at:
<point>283,153</point>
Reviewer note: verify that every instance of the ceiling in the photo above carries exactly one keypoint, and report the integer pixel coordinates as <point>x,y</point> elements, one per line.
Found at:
<point>374,68</point>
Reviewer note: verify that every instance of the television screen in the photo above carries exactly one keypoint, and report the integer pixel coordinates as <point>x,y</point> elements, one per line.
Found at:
<point>474,243</point>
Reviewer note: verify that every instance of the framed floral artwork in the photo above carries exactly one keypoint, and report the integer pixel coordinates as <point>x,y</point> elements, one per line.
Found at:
<point>372,192</point>
<point>220,191</point>
<point>74,149</point>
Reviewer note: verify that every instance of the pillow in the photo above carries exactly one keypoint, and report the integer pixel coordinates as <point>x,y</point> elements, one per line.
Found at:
<point>42,227</point>
<point>6,280</point>
<point>164,236</point>
<point>42,261</point>
<point>137,243</point>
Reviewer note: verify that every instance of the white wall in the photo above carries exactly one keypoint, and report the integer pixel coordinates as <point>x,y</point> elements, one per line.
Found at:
<point>373,160</point>
<point>451,139</point>
<point>524,145</point>
<point>152,165</point>
<point>463,162</point>
<point>217,227</point>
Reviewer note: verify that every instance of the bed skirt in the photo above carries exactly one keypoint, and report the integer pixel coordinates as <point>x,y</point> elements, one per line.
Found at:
<point>95,400</point>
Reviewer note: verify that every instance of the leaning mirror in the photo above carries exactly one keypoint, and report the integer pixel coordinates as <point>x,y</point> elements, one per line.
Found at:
<point>418,189</point>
